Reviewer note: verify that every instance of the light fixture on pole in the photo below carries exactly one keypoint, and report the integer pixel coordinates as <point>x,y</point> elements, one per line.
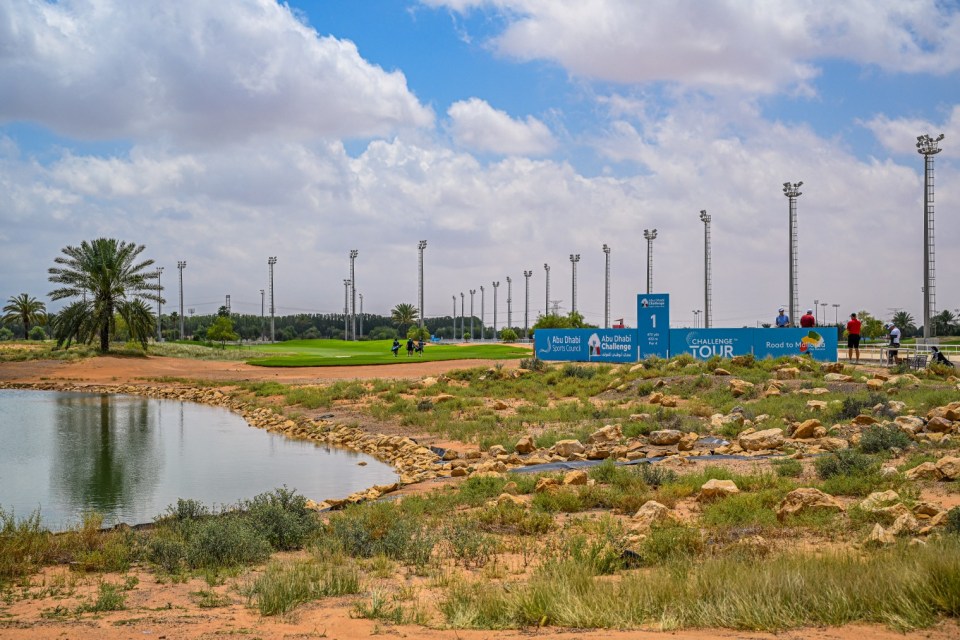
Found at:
<point>650,235</point>
<point>823,314</point>
<point>361,314</point>
<point>454,335</point>
<point>836,313</point>
<point>792,191</point>
<point>226,305</point>
<point>420,247</point>
<point>472,291</point>
<point>346,308</point>
<point>263,338</point>
<point>606,287</point>
<point>272,260</point>
<point>509,303</point>
<point>574,259</point>
<point>463,327</point>
<point>353,295</point>
<point>815,303</point>
<point>181,265</point>
<point>928,147</point>
<point>695,312</point>
<point>707,270</point>
<point>159,299</point>
<point>483,298</point>
<point>526,304</point>
<point>546,304</point>
<point>495,285</point>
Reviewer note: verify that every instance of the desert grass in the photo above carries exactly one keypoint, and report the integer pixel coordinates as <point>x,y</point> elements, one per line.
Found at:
<point>284,585</point>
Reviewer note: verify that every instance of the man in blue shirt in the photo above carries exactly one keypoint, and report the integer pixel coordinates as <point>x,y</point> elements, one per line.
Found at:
<point>783,320</point>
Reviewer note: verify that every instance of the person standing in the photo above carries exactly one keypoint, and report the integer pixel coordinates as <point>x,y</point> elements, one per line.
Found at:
<point>853,338</point>
<point>783,320</point>
<point>808,320</point>
<point>894,334</point>
<point>395,348</point>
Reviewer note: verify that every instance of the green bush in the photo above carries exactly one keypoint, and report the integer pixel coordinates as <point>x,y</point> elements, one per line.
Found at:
<point>282,517</point>
<point>382,528</point>
<point>37,333</point>
<point>5,334</point>
<point>846,462</point>
<point>225,542</point>
<point>953,520</point>
<point>879,439</point>
<point>787,468</point>
<point>533,364</point>
<point>854,405</point>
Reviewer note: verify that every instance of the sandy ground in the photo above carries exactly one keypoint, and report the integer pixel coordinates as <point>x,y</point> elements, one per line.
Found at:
<point>168,611</point>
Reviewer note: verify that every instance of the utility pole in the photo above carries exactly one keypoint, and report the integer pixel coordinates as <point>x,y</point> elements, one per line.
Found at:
<point>361,314</point>
<point>546,306</point>
<point>463,327</point>
<point>483,298</point>
<point>606,287</point>
<point>346,308</point>
<point>353,294</point>
<point>650,235</point>
<point>574,259</point>
<point>495,285</point>
<point>420,247</point>
<point>928,147</point>
<point>707,276</point>
<point>509,303</point>
<point>792,191</point>
<point>272,261</point>
<point>181,265</point>
<point>526,305</point>
<point>263,338</point>
<point>454,336</point>
<point>159,298</point>
<point>472,291</point>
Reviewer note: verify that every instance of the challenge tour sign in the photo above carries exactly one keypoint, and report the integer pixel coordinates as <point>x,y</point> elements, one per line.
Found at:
<point>586,345</point>
<point>653,325</point>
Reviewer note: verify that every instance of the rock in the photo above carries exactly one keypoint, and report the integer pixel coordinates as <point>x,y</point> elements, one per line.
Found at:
<point>833,444</point>
<point>567,448</point>
<point>816,405</point>
<point>807,499</point>
<point>837,377</point>
<point>714,489</point>
<point>546,484</point>
<point>443,397</point>
<point>806,428</point>
<point>924,471</point>
<point>879,499</point>
<point>607,434</point>
<point>949,467</point>
<point>720,372</point>
<point>687,441</point>
<point>788,373</point>
<point>525,445</point>
<point>772,391</point>
<point>766,439</point>
<point>879,537</point>
<point>655,398</point>
<point>497,450</point>
<point>506,498</point>
<point>888,472</point>
<point>926,510</point>
<point>833,367</point>
<point>864,420</point>
<point>665,437</point>
<point>740,387</point>
<point>874,385</point>
<point>651,513</point>
<point>904,525</point>
<point>575,477</point>
<point>458,472</point>
<point>500,405</point>
<point>428,382</point>
<point>939,425</point>
<point>910,424</point>
<point>670,401</point>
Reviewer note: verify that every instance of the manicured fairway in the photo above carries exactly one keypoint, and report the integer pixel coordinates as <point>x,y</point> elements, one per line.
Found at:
<point>328,353</point>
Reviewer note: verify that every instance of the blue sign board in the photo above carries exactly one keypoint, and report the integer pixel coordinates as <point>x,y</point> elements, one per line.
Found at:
<point>820,343</point>
<point>653,325</point>
<point>586,345</point>
<point>704,344</point>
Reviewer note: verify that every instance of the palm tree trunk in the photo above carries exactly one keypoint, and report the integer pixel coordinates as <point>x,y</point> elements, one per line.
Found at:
<point>105,338</point>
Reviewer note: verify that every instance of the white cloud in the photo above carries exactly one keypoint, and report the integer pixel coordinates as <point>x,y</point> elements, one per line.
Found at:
<point>754,46</point>
<point>899,134</point>
<point>197,71</point>
<point>476,125</point>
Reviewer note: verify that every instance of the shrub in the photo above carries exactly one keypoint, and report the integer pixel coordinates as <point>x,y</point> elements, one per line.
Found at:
<point>578,371</point>
<point>37,333</point>
<point>533,364</point>
<point>854,405</point>
<point>5,334</point>
<point>282,517</point>
<point>382,528</point>
<point>283,586</point>
<point>670,543</point>
<point>879,438</point>
<point>787,468</point>
<point>224,542</point>
<point>845,462</point>
<point>953,520</point>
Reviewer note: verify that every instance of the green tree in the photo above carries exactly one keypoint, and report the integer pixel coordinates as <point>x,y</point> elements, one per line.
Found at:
<point>107,274</point>
<point>403,315</point>
<point>26,310</point>
<point>416,333</point>
<point>222,330</point>
<point>871,327</point>
<point>943,323</point>
<point>905,322</point>
<point>508,335</point>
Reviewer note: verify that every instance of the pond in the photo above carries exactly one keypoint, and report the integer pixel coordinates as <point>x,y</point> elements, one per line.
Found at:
<point>128,458</point>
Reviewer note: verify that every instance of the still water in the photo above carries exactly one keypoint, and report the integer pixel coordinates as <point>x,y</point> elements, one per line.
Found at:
<point>128,458</point>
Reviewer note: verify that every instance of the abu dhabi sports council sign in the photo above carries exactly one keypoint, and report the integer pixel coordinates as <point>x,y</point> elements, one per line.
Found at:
<point>586,345</point>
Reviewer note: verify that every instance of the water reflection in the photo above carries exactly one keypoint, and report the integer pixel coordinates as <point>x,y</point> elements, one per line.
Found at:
<point>106,450</point>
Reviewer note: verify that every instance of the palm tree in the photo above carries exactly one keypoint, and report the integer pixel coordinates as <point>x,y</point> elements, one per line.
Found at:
<point>943,323</point>
<point>905,322</point>
<point>25,309</point>
<point>404,314</point>
<point>106,273</point>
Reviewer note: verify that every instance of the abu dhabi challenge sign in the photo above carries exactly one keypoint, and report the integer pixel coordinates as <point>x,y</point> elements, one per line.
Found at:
<point>586,345</point>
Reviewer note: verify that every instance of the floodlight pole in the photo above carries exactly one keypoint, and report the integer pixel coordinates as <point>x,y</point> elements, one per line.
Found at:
<point>361,314</point>
<point>353,295</point>
<point>707,275</point>
<point>606,287</point>
<point>159,298</point>
<point>836,313</point>
<point>546,305</point>
<point>483,299</point>
<point>454,336</point>
<point>420,247</point>
<point>816,303</point>
<point>346,308</point>
<point>509,302</point>
<point>472,291</point>
<point>928,147</point>
<point>263,338</point>
<point>181,265</point>
<point>226,303</point>
<point>526,304</point>
<point>792,191</point>
<point>823,313</point>
<point>650,235</point>
<point>574,259</point>
<point>495,285</point>
<point>463,327</point>
<point>272,260</point>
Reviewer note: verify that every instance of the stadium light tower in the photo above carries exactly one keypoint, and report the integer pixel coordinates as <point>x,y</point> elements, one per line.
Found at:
<point>546,304</point>
<point>792,191</point>
<point>707,276</point>
<point>495,285</point>
<point>420,247</point>
<point>574,259</point>
<point>483,299</point>
<point>159,298</point>
<point>454,336</point>
<point>509,302</point>
<point>472,291</point>
<point>360,295</point>
<point>181,265</point>
<point>650,235</point>
<point>263,338</point>
<point>526,304</point>
<point>346,308</point>
<point>272,260</point>
<point>463,328</point>
<point>606,288</point>
<point>353,294</point>
<point>836,313</point>
<point>928,147</point>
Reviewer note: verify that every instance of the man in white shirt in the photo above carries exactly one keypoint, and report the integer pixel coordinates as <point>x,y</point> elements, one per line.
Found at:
<point>894,334</point>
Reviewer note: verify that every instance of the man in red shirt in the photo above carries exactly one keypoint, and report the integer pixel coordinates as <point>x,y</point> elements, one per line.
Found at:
<point>853,338</point>
<point>808,320</point>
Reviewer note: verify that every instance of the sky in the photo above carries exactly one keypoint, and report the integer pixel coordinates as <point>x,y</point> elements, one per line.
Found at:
<point>508,134</point>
